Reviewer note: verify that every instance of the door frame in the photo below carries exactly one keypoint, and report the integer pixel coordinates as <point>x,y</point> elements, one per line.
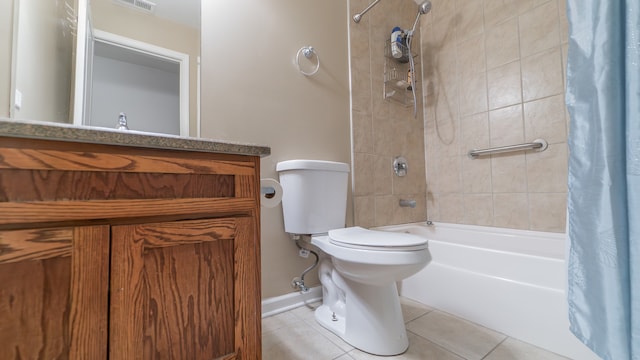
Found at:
<point>165,54</point>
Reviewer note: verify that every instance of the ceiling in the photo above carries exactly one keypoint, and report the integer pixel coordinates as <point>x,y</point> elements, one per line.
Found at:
<point>185,12</point>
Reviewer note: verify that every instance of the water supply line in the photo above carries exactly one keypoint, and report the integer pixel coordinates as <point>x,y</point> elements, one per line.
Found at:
<point>299,283</point>
<point>423,8</point>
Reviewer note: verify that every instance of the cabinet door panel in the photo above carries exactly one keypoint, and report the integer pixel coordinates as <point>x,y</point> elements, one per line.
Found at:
<point>173,290</point>
<point>53,293</point>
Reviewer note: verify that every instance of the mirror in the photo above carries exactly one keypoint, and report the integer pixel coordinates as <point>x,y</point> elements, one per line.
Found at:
<point>41,67</point>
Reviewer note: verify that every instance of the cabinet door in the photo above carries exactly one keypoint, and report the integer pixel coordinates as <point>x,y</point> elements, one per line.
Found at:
<point>54,293</point>
<point>185,290</point>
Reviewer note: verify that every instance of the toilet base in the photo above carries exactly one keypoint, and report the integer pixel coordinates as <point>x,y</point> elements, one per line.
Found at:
<point>368,317</point>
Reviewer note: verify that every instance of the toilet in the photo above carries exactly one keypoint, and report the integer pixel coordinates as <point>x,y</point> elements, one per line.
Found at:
<point>360,301</point>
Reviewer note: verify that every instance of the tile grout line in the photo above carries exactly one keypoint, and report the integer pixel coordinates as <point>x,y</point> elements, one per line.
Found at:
<point>495,347</point>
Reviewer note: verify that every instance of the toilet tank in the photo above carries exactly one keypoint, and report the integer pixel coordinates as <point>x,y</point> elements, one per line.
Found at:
<point>314,195</point>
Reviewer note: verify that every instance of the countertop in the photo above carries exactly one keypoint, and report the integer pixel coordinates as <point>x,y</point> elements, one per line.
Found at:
<point>92,135</point>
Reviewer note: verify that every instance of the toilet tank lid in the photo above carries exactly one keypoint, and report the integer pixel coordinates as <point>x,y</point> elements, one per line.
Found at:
<point>364,237</point>
<point>312,165</point>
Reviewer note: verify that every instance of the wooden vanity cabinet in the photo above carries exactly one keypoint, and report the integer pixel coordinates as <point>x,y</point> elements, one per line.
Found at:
<point>115,252</point>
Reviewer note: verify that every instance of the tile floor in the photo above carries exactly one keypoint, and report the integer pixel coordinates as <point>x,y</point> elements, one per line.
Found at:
<point>433,335</point>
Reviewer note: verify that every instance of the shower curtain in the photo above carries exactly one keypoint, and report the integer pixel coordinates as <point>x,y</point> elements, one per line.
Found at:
<point>603,99</point>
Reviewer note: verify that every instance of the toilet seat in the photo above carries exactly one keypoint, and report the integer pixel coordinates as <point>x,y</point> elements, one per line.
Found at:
<point>360,238</point>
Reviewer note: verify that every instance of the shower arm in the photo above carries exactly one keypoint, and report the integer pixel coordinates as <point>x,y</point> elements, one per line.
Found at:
<point>357,17</point>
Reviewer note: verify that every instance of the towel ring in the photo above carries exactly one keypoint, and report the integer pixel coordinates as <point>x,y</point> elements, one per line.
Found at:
<point>308,52</point>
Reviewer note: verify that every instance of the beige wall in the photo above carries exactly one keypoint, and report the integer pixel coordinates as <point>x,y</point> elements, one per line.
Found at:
<point>252,92</point>
<point>383,129</point>
<point>494,71</point>
<point>43,62</point>
<point>6,40</point>
<point>120,20</point>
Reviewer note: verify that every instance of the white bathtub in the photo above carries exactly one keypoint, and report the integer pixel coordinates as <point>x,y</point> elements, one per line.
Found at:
<point>512,281</point>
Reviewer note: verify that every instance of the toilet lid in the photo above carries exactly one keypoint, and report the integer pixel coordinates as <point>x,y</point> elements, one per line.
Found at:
<point>360,237</point>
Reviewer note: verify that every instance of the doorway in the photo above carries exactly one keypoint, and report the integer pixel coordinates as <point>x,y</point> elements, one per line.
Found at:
<point>148,83</point>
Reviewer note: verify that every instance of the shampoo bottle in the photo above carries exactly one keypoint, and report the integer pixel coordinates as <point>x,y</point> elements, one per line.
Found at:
<point>396,41</point>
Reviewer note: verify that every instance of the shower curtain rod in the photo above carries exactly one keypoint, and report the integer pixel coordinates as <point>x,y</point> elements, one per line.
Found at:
<point>357,17</point>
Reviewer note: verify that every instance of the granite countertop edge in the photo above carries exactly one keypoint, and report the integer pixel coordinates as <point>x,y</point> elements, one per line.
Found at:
<point>66,132</point>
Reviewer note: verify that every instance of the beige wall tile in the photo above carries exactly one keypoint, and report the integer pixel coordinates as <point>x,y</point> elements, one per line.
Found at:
<point>526,5</point>
<point>363,173</point>
<point>539,29</point>
<point>498,11</point>
<point>474,132</point>
<point>362,132</point>
<point>385,207</point>
<point>383,175</point>
<point>542,75</point>
<point>473,93</point>
<point>392,127</point>
<point>361,91</point>
<point>413,182</point>
<point>449,175</point>
<point>433,206</point>
<point>364,207</point>
<point>502,44</point>
<point>476,175</point>
<point>465,106</point>
<point>509,173</point>
<point>443,10</point>
<point>547,212</point>
<point>511,210</point>
<point>471,55</point>
<point>403,215</point>
<point>565,54</point>
<point>382,134</point>
<point>448,138</point>
<point>564,22</point>
<point>504,85</point>
<point>478,209</point>
<point>451,208</point>
<point>470,20</point>
<point>547,170</point>
<point>545,119</point>
<point>443,38</point>
<point>506,126</point>
<point>445,102</point>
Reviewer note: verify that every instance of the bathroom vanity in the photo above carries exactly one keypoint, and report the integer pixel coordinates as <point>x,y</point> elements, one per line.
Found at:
<point>127,246</point>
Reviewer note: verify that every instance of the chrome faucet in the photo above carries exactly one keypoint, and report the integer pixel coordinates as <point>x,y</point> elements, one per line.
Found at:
<point>122,122</point>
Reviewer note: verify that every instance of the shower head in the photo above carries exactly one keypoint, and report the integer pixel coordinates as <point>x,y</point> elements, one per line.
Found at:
<point>424,8</point>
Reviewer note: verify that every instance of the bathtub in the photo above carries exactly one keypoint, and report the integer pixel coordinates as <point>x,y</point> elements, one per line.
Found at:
<point>511,281</point>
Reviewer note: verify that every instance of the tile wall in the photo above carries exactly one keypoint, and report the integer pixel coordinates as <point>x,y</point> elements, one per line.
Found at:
<point>383,129</point>
<point>493,76</point>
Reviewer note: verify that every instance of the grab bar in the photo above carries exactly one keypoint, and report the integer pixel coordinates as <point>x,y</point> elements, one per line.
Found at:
<point>538,145</point>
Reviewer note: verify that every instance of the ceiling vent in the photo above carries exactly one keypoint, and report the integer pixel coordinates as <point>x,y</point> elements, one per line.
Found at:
<point>142,5</point>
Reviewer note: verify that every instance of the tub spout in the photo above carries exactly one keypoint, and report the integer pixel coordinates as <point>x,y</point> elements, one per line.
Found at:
<point>407,203</point>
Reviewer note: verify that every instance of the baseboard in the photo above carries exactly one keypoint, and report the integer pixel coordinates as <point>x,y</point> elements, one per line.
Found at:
<point>278,304</point>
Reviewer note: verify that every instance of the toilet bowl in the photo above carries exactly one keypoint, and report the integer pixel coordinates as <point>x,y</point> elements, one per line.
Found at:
<point>360,301</point>
<point>360,298</point>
